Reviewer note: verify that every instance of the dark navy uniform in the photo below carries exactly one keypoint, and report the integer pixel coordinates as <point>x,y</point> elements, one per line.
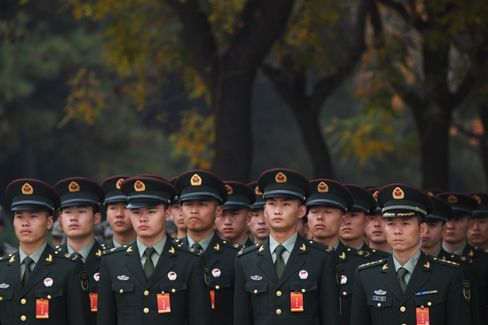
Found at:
<point>261,298</point>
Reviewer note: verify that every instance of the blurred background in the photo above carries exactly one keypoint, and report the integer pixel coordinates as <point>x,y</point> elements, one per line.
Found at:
<point>362,91</point>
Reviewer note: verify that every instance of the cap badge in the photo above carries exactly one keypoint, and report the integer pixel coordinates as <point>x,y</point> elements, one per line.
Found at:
<point>196,180</point>
<point>139,186</point>
<point>398,193</point>
<point>257,191</point>
<point>118,184</point>
<point>452,199</point>
<point>73,187</point>
<point>281,178</point>
<point>27,189</point>
<point>477,198</point>
<point>322,187</point>
<point>229,189</point>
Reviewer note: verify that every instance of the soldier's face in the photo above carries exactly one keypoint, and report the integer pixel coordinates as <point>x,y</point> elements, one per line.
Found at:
<point>232,224</point>
<point>283,214</point>
<point>403,233</point>
<point>375,229</point>
<point>456,230</point>
<point>118,218</point>
<point>324,222</point>
<point>353,225</point>
<point>31,227</point>
<point>79,221</point>
<point>431,234</point>
<point>149,222</point>
<point>177,214</point>
<point>478,232</point>
<point>199,215</point>
<point>258,226</point>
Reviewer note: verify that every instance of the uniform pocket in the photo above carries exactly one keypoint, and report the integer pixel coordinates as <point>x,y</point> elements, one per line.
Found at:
<point>380,302</point>
<point>122,287</point>
<point>173,287</point>
<point>6,295</point>
<point>48,293</point>
<point>303,286</point>
<point>256,288</point>
<point>428,300</point>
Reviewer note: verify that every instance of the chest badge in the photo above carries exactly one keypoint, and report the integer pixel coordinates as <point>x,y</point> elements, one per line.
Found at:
<point>96,276</point>
<point>122,277</point>
<point>303,274</point>
<point>343,279</point>
<point>172,275</point>
<point>380,292</point>
<point>48,282</point>
<point>4,285</point>
<point>256,277</point>
<point>216,273</point>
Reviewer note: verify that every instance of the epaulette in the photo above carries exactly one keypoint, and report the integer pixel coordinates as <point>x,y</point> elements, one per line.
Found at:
<point>6,257</point>
<point>58,248</point>
<point>371,264</point>
<point>178,240</point>
<point>115,250</point>
<point>184,249</point>
<point>246,250</point>
<point>66,256</point>
<point>445,262</point>
<point>379,253</point>
<point>483,251</point>
<point>320,247</point>
<point>226,243</point>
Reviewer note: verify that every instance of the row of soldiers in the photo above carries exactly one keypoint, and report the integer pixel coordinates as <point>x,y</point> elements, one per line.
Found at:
<point>308,259</point>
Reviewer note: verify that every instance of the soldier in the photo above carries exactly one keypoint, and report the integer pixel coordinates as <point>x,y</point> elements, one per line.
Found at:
<point>408,287</point>
<point>232,224</point>
<point>79,212</point>
<point>375,228</point>
<point>202,195</point>
<point>38,285</point>
<point>152,280</point>
<point>177,215</point>
<point>478,225</point>
<point>117,216</point>
<point>431,233</point>
<point>287,279</point>
<point>257,225</point>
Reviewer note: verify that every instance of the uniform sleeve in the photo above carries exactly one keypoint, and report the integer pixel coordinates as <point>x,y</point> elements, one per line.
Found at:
<point>242,301</point>
<point>198,297</point>
<point>76,299</point>
<point>359,310</point>
<point>457,307</point>
<point>107,310</point>
<point>328,294</point>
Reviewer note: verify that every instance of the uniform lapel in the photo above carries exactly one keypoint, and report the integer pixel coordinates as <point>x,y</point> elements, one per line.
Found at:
<point>165,263</point>
<point>13,275</point>
<point>265,261</point>
<point>212,254</point>
<point>134,265</point>
<point>92,263</point>
<point>295,261</point>
<point>419,276</point>
<point>40,271</point>
<point>390,278</point>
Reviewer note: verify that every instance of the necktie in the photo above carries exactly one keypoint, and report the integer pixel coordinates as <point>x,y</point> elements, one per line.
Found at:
<point>401,273</point>
<point>197,247</point>
<point>28,262</point>
<point>148,264</point>
<point>280,262</point>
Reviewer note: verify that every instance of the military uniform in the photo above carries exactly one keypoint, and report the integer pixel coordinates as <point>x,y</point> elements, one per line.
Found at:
<point>52,293</point>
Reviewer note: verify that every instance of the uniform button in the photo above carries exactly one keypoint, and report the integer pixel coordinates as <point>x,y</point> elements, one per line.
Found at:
<point>429,303</point>
<point>378,304</point>
<point>255,291</point>
<point>1,298</point>
<point>278,311</point>
<point>23,318</point>
<point>49,297</point>
<point>146,310</point>
<point>344,293</point>
<point>173,290</point>
<point>146,292</point>
<point>217,287</point>
<point>121,290</point>
<point>303,290</point>
<point>279,293</point>
<point>403,309</point>
<point>23,301</point>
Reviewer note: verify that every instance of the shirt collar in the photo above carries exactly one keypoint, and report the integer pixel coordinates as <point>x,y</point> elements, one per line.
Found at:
<point>36,255</point>
<point>83,252</point>
<point>158,247</point>
<point>288,244</point>
<point>204,242</point>
<point>410,265</point>
<point>459,251</point>
<point>116,243</point>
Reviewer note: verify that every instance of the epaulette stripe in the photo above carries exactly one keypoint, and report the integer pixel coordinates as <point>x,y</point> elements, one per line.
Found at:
<point>370,264</point>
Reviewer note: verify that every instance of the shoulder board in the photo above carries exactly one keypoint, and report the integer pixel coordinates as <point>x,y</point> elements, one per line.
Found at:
<point>371,264</point>
<point>177,240</point>
<point>246,250</point>
<point>65,256</point>
<point>185,249</point>
<point>445,262</point>
<point>319,246</point>
<point>482,251</point>
<point>58,248</point>
<point>228,244</point>
<point>6,257</point>
<point>119,249</point>
<point>379,253</point>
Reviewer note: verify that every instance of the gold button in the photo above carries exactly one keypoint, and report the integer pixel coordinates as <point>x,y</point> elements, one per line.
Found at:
<point>403,309</point>
<point>23,301</point>
<point>429,303</point>
<point>379,304</point>
<point>303,290</point>
<point>278,311</point>
<point>255,291</point>
<point>344,293</point>
<point>217,287</point>
<point>121,290</point>
<point>49,297</point>
<point>146,310</point>
<point>173,290</point>
<point>146,292</point>
<point>279,293</point>
<point>23,318</point>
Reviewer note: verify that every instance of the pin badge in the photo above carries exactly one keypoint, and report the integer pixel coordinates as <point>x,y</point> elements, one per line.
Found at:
<point>216,273</point>
<point>48,282</point>
<point>256,277</point>
<point>4,285</point>
<point>380,292</point>
<point>123,277</point>
<point>303,274</point>
<point>172,275</point>
<point>96,276</point>
<point>343,279</point>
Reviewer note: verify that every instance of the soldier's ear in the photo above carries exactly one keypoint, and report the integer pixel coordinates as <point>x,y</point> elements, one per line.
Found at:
<point>97,218</point>
<point>303,211</point>
<point>50,221</point>
<point>218,211</point>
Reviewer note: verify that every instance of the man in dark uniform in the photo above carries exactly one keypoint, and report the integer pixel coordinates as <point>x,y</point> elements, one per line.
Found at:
<point>232,224</point>
<point>478,225</point>
<point>375,228</point>
<point>79,212</point>
<point>152,280</point>
<point>202,195</point>
<point>117,217</point>
<point>287,279</point>
<point>38,285</point>
<point>257,225</point>
<point>455,247</point>
<point>431,233</point>
<point>408,287</point>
